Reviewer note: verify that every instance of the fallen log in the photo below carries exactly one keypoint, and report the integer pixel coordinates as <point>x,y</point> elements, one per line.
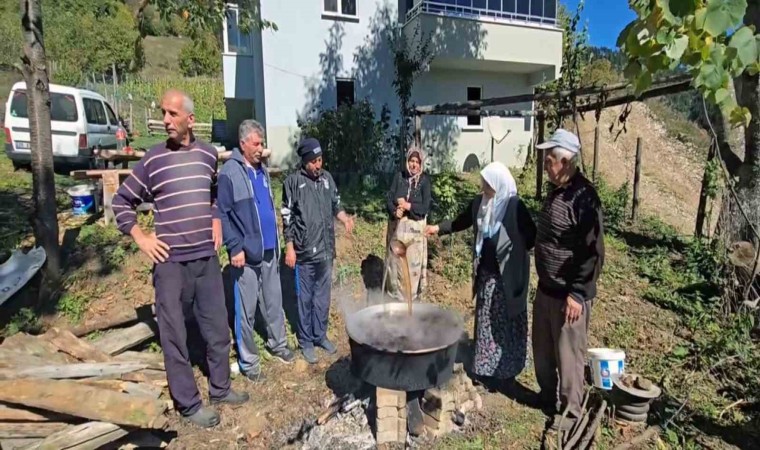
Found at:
<point>123,339</point>
<point>76,399</point>
<point>87,436</point>
<point>154,377</point>
<point>644,437</point>
<point>19,430</point>
<point>82,370</point>
<point>10,358</point>
<point>153,360</point>
<point>82,350</point>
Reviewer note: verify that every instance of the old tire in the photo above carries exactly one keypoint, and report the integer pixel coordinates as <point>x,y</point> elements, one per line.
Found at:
<point>631,417</point>
<point>632,409</point>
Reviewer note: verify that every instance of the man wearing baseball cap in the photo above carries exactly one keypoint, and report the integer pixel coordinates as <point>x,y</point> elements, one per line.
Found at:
<point>569,256</point>
<point>310,201</point>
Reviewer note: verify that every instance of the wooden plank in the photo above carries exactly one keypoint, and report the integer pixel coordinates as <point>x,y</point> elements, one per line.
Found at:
<point>72,345</point>
<point>18,430</point>
<point>87,436</point>
<point>146,312</point>
<point>76,399</point>
<point>154,377</point>
<point>121,340</point>
<point>153,360</point>
<point>19,444</point>
<point>82,370</point>
<point>127,387</point>
<point>31,345</point>
<point>10,358</point>
<point>11,413</point>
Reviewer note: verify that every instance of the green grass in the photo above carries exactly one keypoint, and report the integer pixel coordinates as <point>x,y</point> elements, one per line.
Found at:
<point>162,56</point>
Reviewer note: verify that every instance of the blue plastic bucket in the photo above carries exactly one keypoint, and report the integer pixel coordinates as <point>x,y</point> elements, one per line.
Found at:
<point>82,200</point>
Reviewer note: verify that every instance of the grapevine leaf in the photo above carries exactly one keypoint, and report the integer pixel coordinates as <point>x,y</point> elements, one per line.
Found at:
<point>677,47</point>
<point>721,95</point>
<point>623,36</point>
<point>643,81</point>
<point>675,10</point>
<point>754,68</point>
<point>710,76</point>
<point>740,116</point>
<point>745,44</point>
<point>721,15</point>
<point>632,70</point>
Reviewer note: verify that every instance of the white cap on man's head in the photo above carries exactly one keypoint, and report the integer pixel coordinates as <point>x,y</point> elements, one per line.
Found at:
<point>564,139</point>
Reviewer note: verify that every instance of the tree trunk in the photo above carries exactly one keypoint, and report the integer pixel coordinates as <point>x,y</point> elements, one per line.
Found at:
<point>34,68</point>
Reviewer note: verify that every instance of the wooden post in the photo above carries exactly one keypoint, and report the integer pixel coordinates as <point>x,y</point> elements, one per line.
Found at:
<point>418,130</point>
<point>637,179</point>
<point>596,152</point>
<point>702,208</point>
<point>110,186</point>
<point>540,157</point>
<point>115,80</point>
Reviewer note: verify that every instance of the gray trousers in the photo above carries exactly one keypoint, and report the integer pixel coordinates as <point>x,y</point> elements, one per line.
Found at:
<point>560,348</point>
<point>258,287</point>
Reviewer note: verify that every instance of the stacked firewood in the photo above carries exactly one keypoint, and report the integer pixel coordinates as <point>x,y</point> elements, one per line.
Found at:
<point>60,391</point>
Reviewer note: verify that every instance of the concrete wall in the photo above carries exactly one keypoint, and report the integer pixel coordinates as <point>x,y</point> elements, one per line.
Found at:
<point>451,137</point>
<point>310,50</point>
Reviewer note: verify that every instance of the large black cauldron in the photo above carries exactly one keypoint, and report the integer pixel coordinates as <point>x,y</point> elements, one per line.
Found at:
<point>393,350</point>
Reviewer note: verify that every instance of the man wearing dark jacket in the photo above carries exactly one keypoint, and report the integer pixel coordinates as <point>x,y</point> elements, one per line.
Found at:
<point>249,225</point>
<point>310,201</point>
<point>569,256</point>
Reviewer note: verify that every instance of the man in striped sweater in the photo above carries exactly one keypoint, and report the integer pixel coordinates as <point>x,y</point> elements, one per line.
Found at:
<point>179,176</point>
<point>569,257</point>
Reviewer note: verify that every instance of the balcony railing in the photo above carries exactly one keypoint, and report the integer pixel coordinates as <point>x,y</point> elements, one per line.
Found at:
<point>535,12</point>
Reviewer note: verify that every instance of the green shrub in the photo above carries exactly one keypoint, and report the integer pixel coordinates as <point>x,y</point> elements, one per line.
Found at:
<point>451,195</point>
<point>614,205</point>
<point>24,321</point>
<point>201,57</point>
<point>353,138</point>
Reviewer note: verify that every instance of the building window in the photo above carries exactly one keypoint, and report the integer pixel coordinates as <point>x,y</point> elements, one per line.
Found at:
<point>474,94</point>
<point>344,8</point>
<point>235,42</point>
<point>345,91</point>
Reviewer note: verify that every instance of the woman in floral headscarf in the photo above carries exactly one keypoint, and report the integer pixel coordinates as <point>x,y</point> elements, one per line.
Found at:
<point>504,233</point>
<point>408,205</point>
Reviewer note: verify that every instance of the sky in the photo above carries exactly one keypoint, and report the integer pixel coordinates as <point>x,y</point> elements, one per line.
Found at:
<point>606,19</point>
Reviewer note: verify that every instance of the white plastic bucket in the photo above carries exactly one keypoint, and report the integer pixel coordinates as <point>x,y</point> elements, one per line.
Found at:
<point>606,364</point>
<point>82,200</point>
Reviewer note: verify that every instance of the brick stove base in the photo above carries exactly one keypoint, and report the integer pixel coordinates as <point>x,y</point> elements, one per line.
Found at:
<point>439,406</point>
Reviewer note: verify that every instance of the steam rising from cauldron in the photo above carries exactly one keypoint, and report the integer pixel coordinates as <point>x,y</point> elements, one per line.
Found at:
<point>391,328</point>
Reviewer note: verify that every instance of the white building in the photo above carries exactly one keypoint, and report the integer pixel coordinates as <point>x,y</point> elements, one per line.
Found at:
<point>330,51</point>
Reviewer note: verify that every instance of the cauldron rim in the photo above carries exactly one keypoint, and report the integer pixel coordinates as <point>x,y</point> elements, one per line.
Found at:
<point>399,307</point>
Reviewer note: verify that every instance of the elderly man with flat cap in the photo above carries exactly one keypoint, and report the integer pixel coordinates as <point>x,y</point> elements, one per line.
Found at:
<point>569,255</point>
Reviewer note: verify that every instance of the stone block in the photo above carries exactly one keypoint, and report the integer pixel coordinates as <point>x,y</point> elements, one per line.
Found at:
<point>389,424</point>
<point>387,437</point>
<point>478,402</point>
<point>388,397</point>
<point>402,413</point>
<point>401,434</point>
<point>438,399</point>
<point>387,411</point>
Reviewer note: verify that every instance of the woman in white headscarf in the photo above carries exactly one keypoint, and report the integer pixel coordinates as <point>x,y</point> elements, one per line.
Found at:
<point>504,233</point>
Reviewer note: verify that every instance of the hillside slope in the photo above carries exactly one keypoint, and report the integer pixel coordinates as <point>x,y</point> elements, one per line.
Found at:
<point>671,173</point>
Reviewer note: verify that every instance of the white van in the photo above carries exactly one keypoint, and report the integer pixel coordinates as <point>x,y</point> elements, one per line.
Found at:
<point>81,121</point>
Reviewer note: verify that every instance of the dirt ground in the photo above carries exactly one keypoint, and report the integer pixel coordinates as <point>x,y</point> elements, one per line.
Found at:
<point>671,170</point>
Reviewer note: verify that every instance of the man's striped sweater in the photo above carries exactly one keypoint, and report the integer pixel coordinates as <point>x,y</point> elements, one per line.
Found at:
<point>181,183</point>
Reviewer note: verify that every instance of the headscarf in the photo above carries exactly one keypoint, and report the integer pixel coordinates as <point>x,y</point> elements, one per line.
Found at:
<point>492,212</point>
<point>414,178</point>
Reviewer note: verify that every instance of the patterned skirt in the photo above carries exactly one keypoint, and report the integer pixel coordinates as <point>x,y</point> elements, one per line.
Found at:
<point>501,342</point>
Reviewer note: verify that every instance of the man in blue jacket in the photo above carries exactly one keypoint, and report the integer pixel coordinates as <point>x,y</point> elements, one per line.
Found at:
<point>249,226</point>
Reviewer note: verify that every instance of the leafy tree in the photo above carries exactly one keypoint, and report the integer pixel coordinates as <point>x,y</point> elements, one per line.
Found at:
<point>600,72</point>
<point>715,42</point>
<point>201,57</point>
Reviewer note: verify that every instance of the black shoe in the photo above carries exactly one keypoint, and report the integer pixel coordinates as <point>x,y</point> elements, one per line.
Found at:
<point>309,355</point>
<point>285,355</point>
<point>328,346</point>
<point>204,417</point>
<point>232,398</point>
